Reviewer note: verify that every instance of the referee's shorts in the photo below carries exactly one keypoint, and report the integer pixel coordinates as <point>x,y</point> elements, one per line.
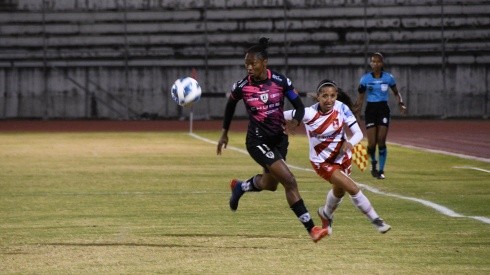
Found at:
<point>377,114</point>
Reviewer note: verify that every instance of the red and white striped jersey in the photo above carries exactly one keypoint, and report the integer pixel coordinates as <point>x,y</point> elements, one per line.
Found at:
<point>326,131</point>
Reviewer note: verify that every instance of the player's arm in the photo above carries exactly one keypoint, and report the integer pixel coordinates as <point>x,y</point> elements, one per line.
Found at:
<point>359,101</point>
<point>299,107</point>
<point>356,134</point>
<point>229,112</point>
<point>399,98</point>
<point>291,122</point>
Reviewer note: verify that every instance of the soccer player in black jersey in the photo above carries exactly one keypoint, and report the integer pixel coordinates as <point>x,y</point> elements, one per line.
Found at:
<point>263,92</point>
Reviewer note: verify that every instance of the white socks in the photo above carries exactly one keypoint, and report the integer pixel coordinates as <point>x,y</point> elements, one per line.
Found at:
<point>332,203</point>
<point>363,204</point>
<point>359,200</point>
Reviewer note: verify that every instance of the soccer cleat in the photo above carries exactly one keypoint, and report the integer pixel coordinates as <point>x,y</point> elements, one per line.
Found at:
<point>381,175</point>
<point>236,193</point>
<point>317,233</point>
<point>374,171</point>
<point>326,222</point>
<point>381,226</point>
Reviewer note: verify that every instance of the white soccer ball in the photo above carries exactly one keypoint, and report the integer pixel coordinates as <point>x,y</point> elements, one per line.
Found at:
<point>186,91</point>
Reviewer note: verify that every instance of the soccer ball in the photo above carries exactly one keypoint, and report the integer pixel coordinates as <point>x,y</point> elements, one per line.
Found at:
<point>186,91</point>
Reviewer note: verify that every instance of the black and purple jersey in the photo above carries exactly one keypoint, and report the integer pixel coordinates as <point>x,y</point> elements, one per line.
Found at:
<point>264,102</point>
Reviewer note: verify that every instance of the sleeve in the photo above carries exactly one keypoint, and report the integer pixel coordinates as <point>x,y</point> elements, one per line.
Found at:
<point>288,114</point>
<point>299,109</point>
<point>356,134</point>
<point>392,82</point>
<point>233,99</point>
<point>236,92</point>
<point>362,85</point>
<point>295,100</point>
<point>351,121</point>
<point>229,112</point>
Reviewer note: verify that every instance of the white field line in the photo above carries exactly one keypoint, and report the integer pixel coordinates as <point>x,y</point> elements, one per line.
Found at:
<point>472,168</point>
<point>439,208</point>
<point>441,152</point>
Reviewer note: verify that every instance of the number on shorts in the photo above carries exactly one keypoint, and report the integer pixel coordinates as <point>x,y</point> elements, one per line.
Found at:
<point>262,149</point>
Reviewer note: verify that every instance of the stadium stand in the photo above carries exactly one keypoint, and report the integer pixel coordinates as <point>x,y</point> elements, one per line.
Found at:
<point>96,39</point>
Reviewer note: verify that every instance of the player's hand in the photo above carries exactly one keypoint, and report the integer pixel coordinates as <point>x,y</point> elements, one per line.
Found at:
<point>346,146</point>
<point>403,108</point>
<point>223,141</point>
<point>291,126</point>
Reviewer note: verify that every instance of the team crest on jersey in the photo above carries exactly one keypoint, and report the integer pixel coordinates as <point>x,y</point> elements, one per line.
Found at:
<point>264,97</point>
<point>270,154</point>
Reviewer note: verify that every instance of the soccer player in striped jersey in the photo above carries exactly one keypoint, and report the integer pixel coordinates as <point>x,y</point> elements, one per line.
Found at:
<point>263,92</point>
<point>330,152</point>
<point>375,85</point>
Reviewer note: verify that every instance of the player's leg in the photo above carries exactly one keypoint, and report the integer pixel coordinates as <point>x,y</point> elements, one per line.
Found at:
<point>334,196</point>
<point>371,134</point>
<point>266,181</point>
<point>371,120</point>
<point>382,149</point>
<point>257,183</point>
<point>261,153</point>
<point>383,124</point>
<point>281,172</point>
<point>332,202</point>
<point>341,180</point>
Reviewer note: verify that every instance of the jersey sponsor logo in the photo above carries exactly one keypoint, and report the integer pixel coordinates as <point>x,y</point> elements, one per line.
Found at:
<point>241,85</point>
<point>322,137</point>
<point>274,95</point>
<point>276,77</point>
<point>265,107</point>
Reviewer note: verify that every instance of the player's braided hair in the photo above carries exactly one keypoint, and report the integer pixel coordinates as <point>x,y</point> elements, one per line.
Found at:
<point>260,49</point>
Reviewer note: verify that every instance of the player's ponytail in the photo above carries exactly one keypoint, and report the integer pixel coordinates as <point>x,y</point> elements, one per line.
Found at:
<point>264,41</point>
<point>344,98</point>
<point>260,49</point>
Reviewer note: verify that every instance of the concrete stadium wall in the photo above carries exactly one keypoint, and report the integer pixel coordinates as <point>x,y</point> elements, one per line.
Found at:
<point>117,59</point>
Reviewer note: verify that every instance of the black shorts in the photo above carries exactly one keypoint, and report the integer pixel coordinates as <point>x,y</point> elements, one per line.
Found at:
<point>266,152</point>
<point>377,113</point>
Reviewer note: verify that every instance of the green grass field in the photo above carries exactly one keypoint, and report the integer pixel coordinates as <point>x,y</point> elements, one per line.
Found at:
<point>125,203</point>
